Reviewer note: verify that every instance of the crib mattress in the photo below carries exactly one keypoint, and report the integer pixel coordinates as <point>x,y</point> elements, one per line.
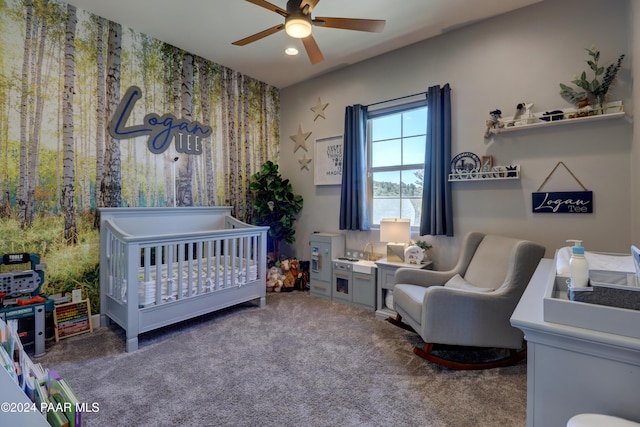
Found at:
<point>224,277</point>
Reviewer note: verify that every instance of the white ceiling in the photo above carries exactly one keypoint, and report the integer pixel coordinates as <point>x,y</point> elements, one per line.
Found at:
<point>208,27</point>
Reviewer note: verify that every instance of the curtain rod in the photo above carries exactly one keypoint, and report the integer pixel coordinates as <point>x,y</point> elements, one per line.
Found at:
<point>396,99</point>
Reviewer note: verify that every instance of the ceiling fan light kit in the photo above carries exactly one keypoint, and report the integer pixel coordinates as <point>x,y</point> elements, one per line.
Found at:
<point>297,26</point>
<point>298,23</point>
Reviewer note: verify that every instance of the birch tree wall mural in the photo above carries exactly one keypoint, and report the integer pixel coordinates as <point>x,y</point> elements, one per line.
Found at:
<point>63,73</point>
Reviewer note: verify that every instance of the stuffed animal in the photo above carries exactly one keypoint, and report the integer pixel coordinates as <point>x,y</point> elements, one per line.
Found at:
<point>584,109</point>
<point>274,279</point>
<point>552,115</point>
<point>303,282</point>
<point>523,114</point>
<point>493,122</point>
<point>294,268</point>
<point>289,281</point>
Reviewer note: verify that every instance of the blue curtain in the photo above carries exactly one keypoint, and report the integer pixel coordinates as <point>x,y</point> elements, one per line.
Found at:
<point>437,212</point>
<point>353,197</point>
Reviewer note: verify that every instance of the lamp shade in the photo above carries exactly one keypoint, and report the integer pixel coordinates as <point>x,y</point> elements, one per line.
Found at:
<point>395,230</point>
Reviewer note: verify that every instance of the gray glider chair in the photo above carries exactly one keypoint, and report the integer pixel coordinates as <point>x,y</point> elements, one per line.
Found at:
<point>470,305</point>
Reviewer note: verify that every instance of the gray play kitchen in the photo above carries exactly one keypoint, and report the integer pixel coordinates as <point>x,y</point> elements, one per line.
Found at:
<point>348,277</point>
<point>354,279</point>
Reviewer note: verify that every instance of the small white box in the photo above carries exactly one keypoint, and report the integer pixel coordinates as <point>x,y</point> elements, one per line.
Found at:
<point>76,295</point>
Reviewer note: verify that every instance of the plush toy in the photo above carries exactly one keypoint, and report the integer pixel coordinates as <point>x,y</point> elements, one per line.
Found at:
<point>274,280</point>
<point>523,114</point>
<point>289,280</point>
<point>493,122</point>
<point>552,115</point>
<point>297,274</point>
<point>584,109</point>
<point>303,281</point>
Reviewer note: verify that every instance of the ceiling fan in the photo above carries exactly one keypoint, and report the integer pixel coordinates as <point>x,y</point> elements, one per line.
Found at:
<point>298,23</point>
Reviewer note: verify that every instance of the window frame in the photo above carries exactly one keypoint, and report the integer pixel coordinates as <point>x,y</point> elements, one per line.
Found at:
<point>378,113</point>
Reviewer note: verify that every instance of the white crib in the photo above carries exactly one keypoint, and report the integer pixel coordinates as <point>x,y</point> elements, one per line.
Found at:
<point>159,266</point>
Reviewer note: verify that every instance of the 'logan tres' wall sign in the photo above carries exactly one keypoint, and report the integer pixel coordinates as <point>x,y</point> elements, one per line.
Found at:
<point>562,202</point>
<point>161,130</point>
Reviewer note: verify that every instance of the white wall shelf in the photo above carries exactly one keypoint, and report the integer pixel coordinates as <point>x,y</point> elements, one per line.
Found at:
<point>497,173</point>
<point>565,121</point>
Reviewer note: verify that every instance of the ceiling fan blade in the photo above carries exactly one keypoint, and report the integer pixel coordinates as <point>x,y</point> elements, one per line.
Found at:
<point>269,6</point>
<point>309,4</point>
<point>371,25</point>
<point>258,36</point>
<point>312,50</point>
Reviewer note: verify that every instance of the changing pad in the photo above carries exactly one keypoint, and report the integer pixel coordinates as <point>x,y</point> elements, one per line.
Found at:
<point>597,261</point>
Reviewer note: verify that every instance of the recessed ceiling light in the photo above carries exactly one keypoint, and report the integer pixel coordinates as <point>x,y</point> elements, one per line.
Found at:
<point>291,51</point>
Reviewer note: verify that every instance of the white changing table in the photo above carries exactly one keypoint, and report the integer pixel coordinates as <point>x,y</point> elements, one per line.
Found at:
<point>573,370</point>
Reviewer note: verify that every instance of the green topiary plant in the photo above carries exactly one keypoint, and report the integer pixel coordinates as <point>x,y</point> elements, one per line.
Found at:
<point>595,90</point>
<point>275,205</point>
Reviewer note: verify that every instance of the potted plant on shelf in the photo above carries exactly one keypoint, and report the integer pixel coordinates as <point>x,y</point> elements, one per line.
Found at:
<point>595,90</point>
<point>275,205</point>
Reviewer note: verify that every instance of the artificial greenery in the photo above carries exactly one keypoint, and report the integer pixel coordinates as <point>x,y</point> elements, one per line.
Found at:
<point>594,89</point>
<point>275,205</point>
<point>423,245</point>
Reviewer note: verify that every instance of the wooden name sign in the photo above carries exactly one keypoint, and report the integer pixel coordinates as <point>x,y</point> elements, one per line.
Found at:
<point>562,202</point>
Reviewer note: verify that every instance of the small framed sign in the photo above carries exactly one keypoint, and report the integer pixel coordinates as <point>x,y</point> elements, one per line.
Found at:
<point>562,202</point>
<point>328,164</point>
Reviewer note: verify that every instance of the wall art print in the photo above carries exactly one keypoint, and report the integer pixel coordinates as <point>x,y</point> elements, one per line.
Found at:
<point>328,161</point>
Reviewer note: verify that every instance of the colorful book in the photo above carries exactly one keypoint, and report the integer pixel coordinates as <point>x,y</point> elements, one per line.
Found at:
<point>55,416</point>
<point>60,389</point>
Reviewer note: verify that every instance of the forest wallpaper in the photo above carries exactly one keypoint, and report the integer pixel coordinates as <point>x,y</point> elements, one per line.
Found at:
<point>63,76</point>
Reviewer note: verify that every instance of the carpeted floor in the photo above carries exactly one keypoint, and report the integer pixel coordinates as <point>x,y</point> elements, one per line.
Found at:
<point>299,361</point>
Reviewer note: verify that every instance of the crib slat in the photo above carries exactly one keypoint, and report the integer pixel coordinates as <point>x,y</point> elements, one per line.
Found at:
<point>232,271</point>
<point>209,274</point>
<point>199,267</point>
<point>217,270</point>
<point>189,270</point>
<point>180,270</point>
<point>170,256</point>
<point>158,275</point>
<point>240,274</point>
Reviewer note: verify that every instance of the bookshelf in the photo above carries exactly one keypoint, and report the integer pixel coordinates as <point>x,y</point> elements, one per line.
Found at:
<point>11,394</point>
<point>31,395</point>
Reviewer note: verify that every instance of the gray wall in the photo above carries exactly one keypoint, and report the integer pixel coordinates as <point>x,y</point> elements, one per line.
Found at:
<point>634,16</point>
<point>519,56</point>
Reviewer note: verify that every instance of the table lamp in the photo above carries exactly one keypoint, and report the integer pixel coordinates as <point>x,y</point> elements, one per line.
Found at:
<point>396,232</point>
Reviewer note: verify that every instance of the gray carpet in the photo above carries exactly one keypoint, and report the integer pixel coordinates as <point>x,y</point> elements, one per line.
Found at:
<point>299,361</point>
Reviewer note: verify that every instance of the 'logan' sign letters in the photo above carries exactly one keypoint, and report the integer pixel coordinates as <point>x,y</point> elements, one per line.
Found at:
<point>161,129</point>
<point>562,202</point>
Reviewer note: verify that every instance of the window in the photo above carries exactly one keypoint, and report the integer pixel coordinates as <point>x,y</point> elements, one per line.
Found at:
<point>396,140</point>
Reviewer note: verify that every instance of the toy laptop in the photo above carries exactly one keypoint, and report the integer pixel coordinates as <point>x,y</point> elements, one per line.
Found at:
<point>612,288</point>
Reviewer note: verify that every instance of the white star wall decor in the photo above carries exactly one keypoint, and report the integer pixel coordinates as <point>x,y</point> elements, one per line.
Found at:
<point>300,139</point>
<point>304,162</point>
<point>318,109</point>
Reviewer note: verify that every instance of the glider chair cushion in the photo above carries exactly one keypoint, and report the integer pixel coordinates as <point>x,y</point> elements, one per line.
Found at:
<point>471,304</point>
